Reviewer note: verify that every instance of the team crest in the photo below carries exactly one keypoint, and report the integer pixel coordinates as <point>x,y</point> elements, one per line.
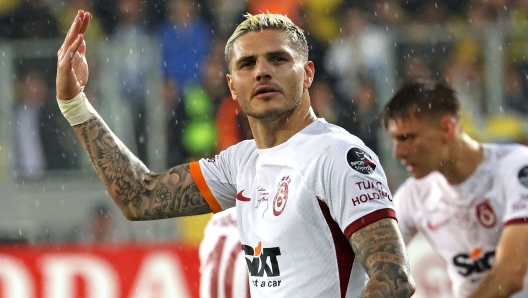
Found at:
<point>281,197</point>
<point>523,176</point>
<point>360,161</point>
<point>485,215</point>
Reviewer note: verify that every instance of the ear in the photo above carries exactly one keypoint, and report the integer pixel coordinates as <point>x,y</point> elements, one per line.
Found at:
<point>231,88</point>
<point>309,72</point>
<point>448,125</point>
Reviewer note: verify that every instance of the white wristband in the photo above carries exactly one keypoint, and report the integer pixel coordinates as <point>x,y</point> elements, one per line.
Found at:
<point>76,110</point>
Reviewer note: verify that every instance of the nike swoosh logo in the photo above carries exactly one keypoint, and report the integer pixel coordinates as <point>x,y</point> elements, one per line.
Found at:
<point>433,227</point>
<point>240,197</point>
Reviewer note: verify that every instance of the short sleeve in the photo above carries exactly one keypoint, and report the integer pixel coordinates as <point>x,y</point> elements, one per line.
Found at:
<point>356,189</point>
<point>515,190</point>
<point>403,206</point>
<point>216,179</point>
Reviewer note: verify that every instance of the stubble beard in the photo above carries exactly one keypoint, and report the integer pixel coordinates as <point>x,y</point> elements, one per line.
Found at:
<point>275,113</point>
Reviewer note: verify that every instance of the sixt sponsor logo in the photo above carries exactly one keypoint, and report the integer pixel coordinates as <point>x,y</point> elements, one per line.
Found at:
<point>261,260</point>
<point>475,262</point>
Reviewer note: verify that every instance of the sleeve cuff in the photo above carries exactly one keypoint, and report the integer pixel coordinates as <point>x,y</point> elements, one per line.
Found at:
<point>199,179</point>
<point>522,220</point>
<point>368,219</point>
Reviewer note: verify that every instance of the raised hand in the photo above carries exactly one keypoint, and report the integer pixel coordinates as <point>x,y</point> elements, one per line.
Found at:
<point>72,67</point>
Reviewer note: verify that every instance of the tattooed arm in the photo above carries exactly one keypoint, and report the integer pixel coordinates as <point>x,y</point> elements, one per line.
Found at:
<point>379,248</point>
<point>139,193</point>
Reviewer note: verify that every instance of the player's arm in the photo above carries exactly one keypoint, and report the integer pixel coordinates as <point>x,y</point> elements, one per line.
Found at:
<point>511,264</point>
<point>139,193</point>
<point>380,250</point>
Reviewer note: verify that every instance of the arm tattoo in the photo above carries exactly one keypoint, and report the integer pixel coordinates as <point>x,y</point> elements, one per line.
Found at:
<point>380,249</point>
<point>139,193</point>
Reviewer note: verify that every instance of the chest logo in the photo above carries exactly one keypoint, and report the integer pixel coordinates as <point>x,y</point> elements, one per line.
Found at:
<point>360,161</point>
<point>241,197</point>
<point>262,261</point>
<point>476,261</point>
<point>434,226</point>
<point>485,215</point>
<point>281,197</point>
<point>262,197</point>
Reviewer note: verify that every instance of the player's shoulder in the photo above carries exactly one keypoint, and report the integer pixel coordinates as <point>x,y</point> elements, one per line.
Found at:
<point>243,146</point>
<point>415,188</point>
<point>505,158</point>
<point>506,152</point>
<point>507,163</point>
<point>241,151</point>
<point>330,139</point>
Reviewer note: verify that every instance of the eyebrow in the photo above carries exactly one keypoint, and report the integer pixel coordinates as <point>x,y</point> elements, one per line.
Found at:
<point>404,136</point>
<point>267,55</point>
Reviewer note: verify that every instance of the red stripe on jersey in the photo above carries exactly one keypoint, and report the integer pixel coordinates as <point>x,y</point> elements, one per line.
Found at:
<point>368,219</point>
<point>516,221</point>
<point>199,179</point>
<point>345,254</point>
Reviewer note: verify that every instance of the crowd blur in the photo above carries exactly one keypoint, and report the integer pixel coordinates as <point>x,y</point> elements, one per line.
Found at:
<point>349,43</point>
<point>355,45</point>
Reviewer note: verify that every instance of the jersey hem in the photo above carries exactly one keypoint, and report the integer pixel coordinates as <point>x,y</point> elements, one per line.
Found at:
<point>368,219</point>
<point>199,179</point>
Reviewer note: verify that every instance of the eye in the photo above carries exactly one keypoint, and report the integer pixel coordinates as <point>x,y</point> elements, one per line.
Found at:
<point>246,64</point>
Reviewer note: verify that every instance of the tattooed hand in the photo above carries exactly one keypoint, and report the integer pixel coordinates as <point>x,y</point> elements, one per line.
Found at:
<point>380,249</point>
<point>139,193</point>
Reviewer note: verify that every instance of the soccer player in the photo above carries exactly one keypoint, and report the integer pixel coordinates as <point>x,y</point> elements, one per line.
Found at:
<point>315,215</point>
<point>223,271</point>
<point>469,200</point>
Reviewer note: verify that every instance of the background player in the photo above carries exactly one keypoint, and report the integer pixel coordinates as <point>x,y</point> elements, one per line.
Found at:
<point>223,271</point>
<point>470,200</point>
<point>317,224</point>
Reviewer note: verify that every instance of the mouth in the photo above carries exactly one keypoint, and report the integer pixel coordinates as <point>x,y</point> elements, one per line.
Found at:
<point>265,91</point>
<point>408,166</point>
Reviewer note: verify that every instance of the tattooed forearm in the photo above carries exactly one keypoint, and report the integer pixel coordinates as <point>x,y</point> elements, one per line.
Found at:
<point>380,249</point>
<point>139,193</point>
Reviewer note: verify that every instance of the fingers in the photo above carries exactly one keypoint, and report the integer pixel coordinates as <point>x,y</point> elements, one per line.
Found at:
<point>72,32</point>
<point>70,52</point>
<point>82,47</point>
<point>79,25</point>
<point>86,20</point>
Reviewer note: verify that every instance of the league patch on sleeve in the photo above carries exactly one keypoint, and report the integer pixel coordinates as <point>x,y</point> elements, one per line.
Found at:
<point>523,176</point>
<point>360,161</point>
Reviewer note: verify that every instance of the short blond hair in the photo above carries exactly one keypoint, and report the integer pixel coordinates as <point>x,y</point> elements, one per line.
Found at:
<point>269,21</point>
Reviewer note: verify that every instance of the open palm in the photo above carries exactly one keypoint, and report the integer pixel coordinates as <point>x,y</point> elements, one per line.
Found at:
<point>72,67</point>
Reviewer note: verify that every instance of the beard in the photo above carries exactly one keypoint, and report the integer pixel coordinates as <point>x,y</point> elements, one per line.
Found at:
<point>293,100</point>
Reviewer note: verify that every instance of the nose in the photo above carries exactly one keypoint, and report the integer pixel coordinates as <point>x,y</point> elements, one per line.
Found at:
<point>399,150</point>
<point>262,70</point>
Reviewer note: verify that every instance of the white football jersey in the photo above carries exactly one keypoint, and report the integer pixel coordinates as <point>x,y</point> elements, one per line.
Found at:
<point>464,222</point>
<point>297,205</point>
<point>223,269</point>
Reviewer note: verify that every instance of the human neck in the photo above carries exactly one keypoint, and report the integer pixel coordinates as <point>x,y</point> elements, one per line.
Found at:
<point>272,133</point>
<point>465,154</point>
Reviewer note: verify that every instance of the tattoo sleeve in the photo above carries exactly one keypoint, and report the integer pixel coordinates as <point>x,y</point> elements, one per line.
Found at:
<point>139,193</point>
<point>380,250</point>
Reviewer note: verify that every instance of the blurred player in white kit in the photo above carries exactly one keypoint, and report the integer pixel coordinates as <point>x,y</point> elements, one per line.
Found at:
<point>469,200</point>
<point>223,269</point>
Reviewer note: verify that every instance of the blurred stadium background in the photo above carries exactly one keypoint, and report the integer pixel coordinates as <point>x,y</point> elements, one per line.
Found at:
<point>157,76</point>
